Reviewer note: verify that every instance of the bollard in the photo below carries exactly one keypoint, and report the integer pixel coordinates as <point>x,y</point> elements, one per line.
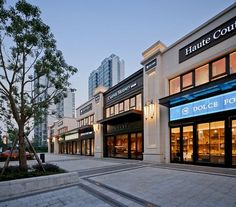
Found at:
<point>42,157</point>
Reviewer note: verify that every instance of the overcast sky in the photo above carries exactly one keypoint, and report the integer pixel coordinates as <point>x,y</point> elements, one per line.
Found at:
<point>87,31</point>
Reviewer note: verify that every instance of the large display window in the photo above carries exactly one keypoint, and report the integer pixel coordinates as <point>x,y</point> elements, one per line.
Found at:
<point>205,142</point>
<point>188,143</point>
<point>124,146</point>
<point>211,138</point>
<point>175,144</point>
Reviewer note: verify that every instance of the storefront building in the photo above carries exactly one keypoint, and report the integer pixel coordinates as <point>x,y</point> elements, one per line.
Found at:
<point>123,119</point>
<point>57,142</point>
<point>192,87</point>
<point>89,131</point>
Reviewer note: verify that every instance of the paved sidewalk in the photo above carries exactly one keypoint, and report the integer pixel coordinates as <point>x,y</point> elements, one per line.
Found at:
<point>116,182</point>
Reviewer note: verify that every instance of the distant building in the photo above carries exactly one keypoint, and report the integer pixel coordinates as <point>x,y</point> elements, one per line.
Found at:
<point>64,108</point>
<point>109,73</point>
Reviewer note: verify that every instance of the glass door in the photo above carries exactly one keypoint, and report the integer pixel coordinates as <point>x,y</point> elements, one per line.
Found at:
<point>188,143</point>
<point>110,147</point>
<point>121,146</point>
<point>175,144</point>
<point>136,146</point>
<point>211,146</point>
<point>233,142</point>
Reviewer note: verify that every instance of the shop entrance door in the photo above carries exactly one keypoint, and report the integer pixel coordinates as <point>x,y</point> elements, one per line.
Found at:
<point>233,130</point>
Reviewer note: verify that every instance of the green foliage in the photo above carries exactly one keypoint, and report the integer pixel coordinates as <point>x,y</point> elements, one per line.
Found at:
<point>28,55</point>
<point>14,172</point>
<point>48,168</point>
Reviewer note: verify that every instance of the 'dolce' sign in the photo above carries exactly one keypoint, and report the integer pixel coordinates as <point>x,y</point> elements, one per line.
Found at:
<point>211,105</point>
<point>215,36</point>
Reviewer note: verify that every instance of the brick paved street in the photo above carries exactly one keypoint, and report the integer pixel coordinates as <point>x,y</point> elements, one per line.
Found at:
<point>115,182</point>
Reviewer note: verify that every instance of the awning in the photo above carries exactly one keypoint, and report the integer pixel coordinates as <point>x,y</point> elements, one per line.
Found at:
<point>210,89</point>
<point>130,115</point>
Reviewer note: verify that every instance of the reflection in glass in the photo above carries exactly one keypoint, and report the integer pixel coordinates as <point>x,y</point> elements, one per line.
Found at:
<point>218,67</point>
<point>175,144</point>
<point>202,75</point>
<point>92,146</point>
<point>217,145</point>
<point>175,85</point>
<point>78,147</point>
<point>203,142</point>
<point>211,145</point>
<point>88,147</point>
<point>83,147</point>
<point>121,146</point>
<point>234,142</point>
<point>133,145</point>
<point>232,58</point>
<point>110,147</point>
<point>188,143</point>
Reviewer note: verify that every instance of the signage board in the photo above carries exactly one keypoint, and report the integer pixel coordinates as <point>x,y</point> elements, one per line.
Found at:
<point>86,109</point>
<point>150,65</point>
<point>212,38</point>
<point>219,103</point>
<point>122,90</point>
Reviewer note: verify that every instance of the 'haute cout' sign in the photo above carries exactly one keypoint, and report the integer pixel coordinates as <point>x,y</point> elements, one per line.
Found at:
<point>215,36</point>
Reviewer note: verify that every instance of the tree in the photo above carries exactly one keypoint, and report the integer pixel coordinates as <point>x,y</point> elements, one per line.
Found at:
<point>28,54</point>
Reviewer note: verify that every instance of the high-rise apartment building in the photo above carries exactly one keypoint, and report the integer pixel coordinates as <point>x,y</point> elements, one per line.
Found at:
<point>109,73</point>
<point>64,108</point>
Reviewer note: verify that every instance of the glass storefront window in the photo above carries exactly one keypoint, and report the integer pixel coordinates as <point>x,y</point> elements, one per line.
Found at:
<point>139,146</point>
<point>202,75</point>
<point>92,119</point>
<point>139,102</point>
<point>187,80</point>
<point>234,142</point>
<point>107,112</point>
<point>203,142</point>
<point>188,143</point>
<point>112,110</point>
<point>133,145</point>
<point>92,147</point>
<point>121,146</point>
<point>127,105</point>
<point>78,147</point>
<point>174,85</point>
<point>136,143</point>
<point>232,59</point>
<point>121,106</point>
<point>83,147</point>
<point>132,103</point>
<point>175,144</point>
<point>217,145</point>
<point>116,109</point>
<point>211,145</point>
<point>88,147</point>
<point>218,67</point>
<point>110,147</point>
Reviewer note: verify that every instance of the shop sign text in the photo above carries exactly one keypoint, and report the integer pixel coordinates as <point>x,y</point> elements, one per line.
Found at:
<point>211,105</point>
<point>221,33</point>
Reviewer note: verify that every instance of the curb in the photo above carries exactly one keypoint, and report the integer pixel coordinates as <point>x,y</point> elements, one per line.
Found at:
<point>22,187</point>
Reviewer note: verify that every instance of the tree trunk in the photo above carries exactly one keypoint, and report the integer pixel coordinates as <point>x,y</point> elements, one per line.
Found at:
<point>22,154</point>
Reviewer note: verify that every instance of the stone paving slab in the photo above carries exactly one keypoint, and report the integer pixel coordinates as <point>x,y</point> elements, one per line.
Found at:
<point>70,197</point>
<point>166,187</point>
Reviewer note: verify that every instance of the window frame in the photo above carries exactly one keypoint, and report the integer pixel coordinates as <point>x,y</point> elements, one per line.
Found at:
<point>132,106</point>
<point>211,77</point>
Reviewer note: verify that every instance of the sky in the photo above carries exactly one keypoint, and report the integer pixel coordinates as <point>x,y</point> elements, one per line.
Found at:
<point>87,31</point>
